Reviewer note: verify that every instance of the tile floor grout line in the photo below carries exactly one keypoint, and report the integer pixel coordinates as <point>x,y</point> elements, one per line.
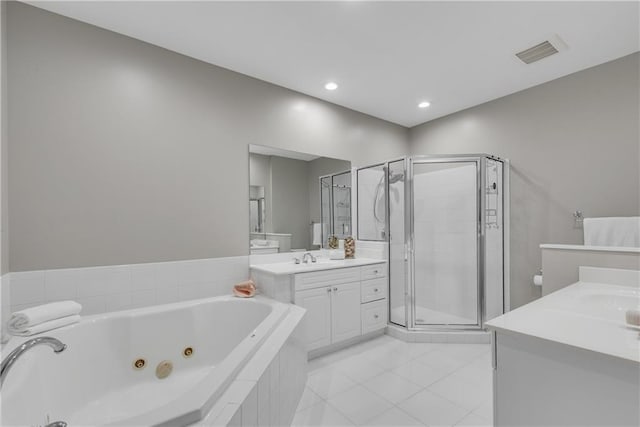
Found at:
<point>384,368</point>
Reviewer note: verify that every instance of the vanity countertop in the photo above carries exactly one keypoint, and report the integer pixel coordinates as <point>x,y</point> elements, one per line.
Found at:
<point>589,314</point>
<point>289,267</point>
<point>590,248</point>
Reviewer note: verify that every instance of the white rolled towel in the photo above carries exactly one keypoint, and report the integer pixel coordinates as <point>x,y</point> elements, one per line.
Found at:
<point>22,320</point>
<point>47,326</point>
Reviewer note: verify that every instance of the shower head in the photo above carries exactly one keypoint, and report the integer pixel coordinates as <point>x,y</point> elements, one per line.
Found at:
<point>395,177</point>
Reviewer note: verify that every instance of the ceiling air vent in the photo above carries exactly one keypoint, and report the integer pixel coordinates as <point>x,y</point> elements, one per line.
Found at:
<point>537,52</point>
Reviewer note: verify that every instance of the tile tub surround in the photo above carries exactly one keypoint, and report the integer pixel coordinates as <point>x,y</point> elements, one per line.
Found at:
<point>224,354</point>
<point>120,287</point>
<point>268,391</point>
<point>394,383</point>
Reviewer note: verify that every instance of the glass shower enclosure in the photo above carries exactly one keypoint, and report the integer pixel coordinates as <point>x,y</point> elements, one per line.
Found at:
<point>443,218</point>
<point>335,206</point>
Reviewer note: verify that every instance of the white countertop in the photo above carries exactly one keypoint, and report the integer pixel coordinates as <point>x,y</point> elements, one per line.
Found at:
<point>586,315</point>
<point>289,267</point>
<point>590,248</point>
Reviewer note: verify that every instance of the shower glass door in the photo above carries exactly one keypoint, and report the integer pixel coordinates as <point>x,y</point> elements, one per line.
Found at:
<point>397,248</point>
<point>445,208</point>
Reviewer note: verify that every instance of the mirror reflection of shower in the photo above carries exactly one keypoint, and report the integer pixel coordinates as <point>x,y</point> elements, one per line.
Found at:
<point>335,193</point>
<point>379,200</point>
<point>373,184</point>
<point>371,203</point>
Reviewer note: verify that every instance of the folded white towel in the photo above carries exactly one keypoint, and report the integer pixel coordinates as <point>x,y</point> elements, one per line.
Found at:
<point>21,320</point>
<point>317,233</point>
<point>620,231</point>
<point>46,326</point>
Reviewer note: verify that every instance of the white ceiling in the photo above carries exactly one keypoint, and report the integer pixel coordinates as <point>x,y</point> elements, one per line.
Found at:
<point>386,56</point>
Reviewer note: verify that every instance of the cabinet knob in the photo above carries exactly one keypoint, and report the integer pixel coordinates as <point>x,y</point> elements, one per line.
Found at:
<point>335,289</point>
<point>375,290</point>
<point>375,316</point>
<point>375,271</point>
<point>328,289</point>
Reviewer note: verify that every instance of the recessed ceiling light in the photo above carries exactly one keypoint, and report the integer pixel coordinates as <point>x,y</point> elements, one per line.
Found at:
<point>424,104</point>
<point>331,86</point>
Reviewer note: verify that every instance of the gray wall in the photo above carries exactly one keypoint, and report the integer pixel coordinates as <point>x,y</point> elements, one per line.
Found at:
<point>4,170</point>
<point>290,200</point>
<point>573,144</point>
<point>5,304</point>
<point>123,152</point>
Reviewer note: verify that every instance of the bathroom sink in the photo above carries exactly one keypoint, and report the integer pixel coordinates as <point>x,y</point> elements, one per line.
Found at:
<point>589,314</point>
<point>321,260</point>
<point>608,304</point>
<point>322,263</point>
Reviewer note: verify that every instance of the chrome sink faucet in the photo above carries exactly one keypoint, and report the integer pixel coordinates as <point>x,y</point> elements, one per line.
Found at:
<point>8,362</point>
<point>306,256</point>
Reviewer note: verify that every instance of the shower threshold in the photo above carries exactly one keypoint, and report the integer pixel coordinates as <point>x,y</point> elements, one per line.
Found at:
<point>430,317</point>
<point>424,334</point>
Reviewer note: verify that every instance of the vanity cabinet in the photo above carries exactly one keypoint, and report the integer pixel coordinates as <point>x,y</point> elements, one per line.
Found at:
<point>342,304</point>
<point>318,318</point>
<point>374,316</point>
<point>333,313</point>
<point>345,300</point>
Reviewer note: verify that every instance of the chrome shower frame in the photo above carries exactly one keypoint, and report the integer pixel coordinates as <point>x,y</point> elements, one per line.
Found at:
<point>409,238</point>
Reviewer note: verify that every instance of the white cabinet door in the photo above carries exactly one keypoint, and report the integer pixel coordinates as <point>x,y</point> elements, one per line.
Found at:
<point>318,316</point>
<point>345,311</point>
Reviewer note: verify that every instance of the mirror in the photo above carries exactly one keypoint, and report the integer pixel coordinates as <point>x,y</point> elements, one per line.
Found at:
<point>289,207</point>
<point>372,207</point>
<point>256,208</point>
<point>335,196</point>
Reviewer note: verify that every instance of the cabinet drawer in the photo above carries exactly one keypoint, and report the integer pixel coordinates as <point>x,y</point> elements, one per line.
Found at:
<point>316,279</point>
<point>374,271</point>
<point>374,316</point>
<point>373,290</point>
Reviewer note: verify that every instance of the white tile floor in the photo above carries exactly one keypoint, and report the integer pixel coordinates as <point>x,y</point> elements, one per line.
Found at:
<point>388,382</point>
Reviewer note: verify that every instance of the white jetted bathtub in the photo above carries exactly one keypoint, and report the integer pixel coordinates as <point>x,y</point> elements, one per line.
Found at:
<point>203,345</point>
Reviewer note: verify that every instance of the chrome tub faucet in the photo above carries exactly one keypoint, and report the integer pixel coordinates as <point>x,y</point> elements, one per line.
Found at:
<point>8,362</point>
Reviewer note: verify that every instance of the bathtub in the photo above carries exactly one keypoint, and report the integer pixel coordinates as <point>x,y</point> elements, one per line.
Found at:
<point>107,375</point>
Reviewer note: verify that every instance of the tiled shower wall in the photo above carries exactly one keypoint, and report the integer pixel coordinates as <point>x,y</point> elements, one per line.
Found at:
<point>121,287</point>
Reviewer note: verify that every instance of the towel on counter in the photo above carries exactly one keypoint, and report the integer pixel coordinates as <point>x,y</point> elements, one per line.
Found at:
<point>614,231</point>
<point>317,233</point>
<point>26,319</point>
<point>245,289</point>
<point>46,326</point>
